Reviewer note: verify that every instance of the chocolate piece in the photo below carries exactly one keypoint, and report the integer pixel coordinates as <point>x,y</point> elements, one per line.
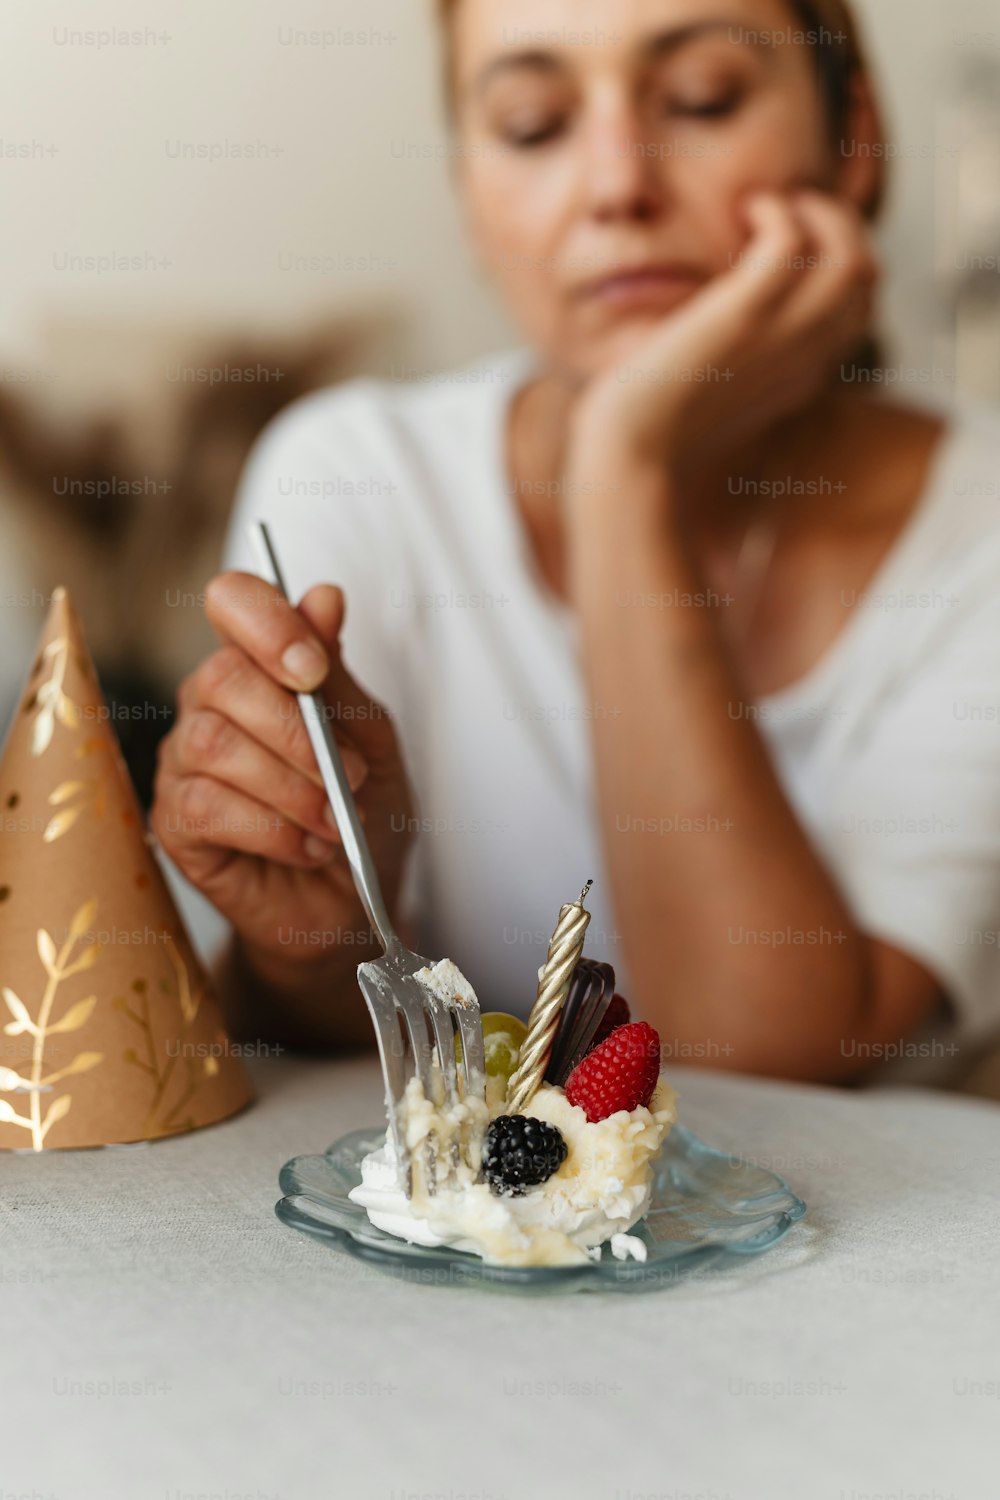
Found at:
<point>589,1019</point>
<point>590,994</point>
<point>579,987</point>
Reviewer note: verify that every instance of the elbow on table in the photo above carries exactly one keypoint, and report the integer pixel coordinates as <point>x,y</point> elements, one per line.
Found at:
<point>806,1031</point>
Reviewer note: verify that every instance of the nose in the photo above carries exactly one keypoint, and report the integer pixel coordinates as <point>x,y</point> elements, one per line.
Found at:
<point>624,176</point>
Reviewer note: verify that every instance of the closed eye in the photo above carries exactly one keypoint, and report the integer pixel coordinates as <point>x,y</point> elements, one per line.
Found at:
<point>539,135</point>
<point>710,109</point>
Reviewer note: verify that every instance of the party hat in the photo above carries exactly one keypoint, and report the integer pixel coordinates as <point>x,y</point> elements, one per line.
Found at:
<point>108,1027</point>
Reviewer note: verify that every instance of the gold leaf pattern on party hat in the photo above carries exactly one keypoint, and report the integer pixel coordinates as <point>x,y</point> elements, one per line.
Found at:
<point>50,701</point>
<point>11,1082</point>
<point>22,1021</point>
<point>82,1063</point>
<point>58,967</point>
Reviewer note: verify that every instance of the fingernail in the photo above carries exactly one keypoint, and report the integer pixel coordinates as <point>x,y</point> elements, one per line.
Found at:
<point>318,848</point>
<point>305,664</point>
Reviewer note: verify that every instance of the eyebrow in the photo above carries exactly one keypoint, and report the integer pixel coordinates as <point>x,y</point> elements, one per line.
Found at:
<point>660,45</point>
<point>679,36</point>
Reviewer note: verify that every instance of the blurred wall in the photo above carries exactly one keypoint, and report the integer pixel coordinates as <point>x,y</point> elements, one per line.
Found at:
<point>135,154</point>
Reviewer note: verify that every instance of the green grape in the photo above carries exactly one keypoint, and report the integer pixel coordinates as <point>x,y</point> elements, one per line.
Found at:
<point>503,1037</point>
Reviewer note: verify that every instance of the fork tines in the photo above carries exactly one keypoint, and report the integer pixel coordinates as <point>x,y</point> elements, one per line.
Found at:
<point>415,1028</point>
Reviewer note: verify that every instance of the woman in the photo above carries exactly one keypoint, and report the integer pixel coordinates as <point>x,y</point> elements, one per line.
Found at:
<point>672,601</point>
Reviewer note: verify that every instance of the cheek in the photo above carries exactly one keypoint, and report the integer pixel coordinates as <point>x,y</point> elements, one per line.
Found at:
<point>516,220</point>
<point>517,202</point>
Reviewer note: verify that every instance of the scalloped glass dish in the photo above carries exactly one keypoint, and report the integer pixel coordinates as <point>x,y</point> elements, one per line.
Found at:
<point>706,1206</point>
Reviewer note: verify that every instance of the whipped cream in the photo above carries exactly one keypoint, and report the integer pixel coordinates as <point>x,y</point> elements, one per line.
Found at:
<point>447,981</point>
<point>601,1190</point>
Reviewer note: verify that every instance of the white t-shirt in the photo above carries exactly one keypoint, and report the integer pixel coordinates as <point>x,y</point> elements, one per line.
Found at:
<point>889,749</point>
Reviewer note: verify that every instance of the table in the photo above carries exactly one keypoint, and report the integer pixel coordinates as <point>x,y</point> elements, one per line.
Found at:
<point>164,1336</point>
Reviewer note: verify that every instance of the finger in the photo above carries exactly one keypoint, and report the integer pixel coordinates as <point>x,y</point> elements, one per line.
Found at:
<point>359,716</point>
<point>229,683</point>
<point>206,743</point>
<point>836,226</point>
<point>827,333</point>
<point>255,616</point>
<point>197,816</point>
<point>771,263</point>
<point>840,258</point>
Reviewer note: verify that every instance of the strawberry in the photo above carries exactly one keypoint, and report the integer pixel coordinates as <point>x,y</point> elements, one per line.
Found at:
<point>621,1073</point>
<point>617,1014</point>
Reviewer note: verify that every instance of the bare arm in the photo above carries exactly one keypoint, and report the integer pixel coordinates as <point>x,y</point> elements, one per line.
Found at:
<point>734,930</point>
<point>686,902</point>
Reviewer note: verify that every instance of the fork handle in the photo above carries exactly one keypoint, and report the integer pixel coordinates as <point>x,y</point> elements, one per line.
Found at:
<point>316,715</point>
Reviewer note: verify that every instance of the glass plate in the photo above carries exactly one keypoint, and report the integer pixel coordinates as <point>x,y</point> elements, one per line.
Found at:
<point>706,1207</point>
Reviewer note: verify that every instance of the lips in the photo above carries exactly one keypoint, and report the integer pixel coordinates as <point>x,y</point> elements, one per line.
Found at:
<point>640,286</point>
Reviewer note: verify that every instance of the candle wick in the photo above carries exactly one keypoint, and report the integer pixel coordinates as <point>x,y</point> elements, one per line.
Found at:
<point>583,893</point>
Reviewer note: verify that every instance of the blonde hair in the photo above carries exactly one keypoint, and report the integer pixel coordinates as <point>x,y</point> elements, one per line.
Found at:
<point>840,59</point>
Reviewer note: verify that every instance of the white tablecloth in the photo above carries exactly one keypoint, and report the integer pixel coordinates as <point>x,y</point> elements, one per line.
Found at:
<point>164,1336</point>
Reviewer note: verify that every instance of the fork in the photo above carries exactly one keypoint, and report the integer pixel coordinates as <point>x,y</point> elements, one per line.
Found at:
<point>412,1022</point>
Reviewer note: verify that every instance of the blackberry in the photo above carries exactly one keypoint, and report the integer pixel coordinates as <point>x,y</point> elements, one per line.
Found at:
<point>519,1153</point>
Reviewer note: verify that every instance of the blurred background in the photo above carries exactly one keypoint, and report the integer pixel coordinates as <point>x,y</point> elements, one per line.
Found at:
<point>208,210</point>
